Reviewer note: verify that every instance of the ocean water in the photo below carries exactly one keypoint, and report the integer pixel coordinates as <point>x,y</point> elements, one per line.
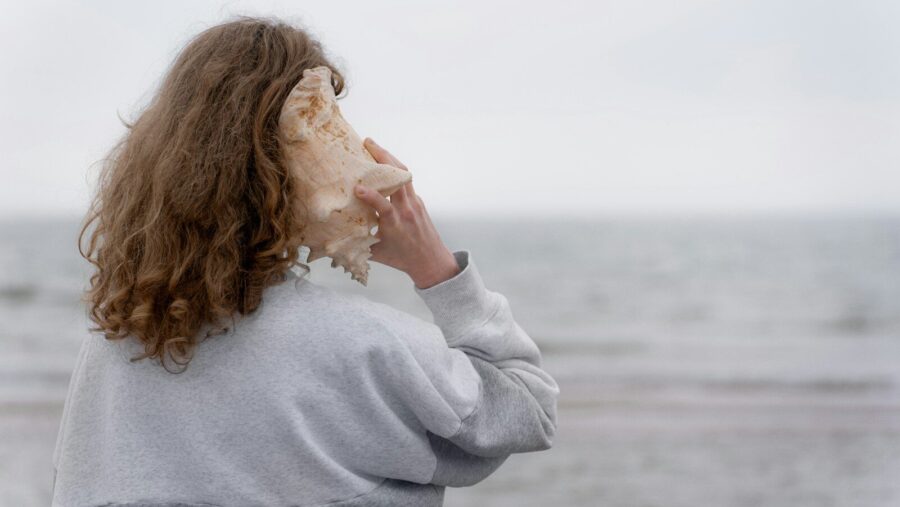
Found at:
<point>725,362</point>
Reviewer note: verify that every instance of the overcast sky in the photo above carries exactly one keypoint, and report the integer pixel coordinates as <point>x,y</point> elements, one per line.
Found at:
<point>603,107</point>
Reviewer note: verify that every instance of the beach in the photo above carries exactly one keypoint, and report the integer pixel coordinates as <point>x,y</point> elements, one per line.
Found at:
<point>737,362</point>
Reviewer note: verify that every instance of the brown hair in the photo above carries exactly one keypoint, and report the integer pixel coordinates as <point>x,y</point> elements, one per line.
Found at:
<point>193,215</point>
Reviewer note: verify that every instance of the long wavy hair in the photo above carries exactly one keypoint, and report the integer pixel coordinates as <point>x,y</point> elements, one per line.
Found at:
<point>192,218</point>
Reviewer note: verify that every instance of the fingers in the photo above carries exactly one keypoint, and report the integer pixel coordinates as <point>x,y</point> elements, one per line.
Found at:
<point>374,199</point>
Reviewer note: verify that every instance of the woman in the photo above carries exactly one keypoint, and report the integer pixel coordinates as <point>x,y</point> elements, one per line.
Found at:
<point>283,392</point>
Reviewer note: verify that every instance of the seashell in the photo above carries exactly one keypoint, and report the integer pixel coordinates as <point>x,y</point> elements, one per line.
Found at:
<point>327,159</point>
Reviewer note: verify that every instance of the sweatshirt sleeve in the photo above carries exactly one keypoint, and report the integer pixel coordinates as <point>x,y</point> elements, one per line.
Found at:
<point>472,380</point>
<point>516,411</point>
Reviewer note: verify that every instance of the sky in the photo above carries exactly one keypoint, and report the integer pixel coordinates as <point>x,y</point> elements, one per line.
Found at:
<point>510,108</point>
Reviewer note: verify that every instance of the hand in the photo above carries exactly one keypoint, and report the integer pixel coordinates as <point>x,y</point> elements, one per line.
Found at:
<point>408,240</point>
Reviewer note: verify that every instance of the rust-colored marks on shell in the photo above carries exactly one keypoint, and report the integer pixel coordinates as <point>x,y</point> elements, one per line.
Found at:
<point>328,163</point>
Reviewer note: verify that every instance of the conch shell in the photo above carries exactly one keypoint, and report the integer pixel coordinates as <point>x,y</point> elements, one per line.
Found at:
<point>327,159</point>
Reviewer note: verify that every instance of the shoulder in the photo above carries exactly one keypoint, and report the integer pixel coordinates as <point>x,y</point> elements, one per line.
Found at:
<point>317,315</point>
<point>408,328</point>
<point>313,317</point>
<point>410,340</point>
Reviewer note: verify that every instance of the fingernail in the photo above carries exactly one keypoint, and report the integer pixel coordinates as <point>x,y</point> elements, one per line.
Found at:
<point>371,141</point>
<point>360,190</point>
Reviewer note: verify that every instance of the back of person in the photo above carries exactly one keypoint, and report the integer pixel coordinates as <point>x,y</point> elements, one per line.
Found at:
<point>315,398</point>
<point>290,393</point>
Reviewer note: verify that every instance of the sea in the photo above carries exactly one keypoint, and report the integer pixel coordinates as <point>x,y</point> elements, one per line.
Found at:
<point>702,361</point>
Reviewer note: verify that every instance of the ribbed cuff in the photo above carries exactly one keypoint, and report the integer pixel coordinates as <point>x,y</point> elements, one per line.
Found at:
<point>460,303</point>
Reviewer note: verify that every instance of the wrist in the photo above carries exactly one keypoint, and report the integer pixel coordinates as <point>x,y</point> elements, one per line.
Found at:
<point>440,271</point>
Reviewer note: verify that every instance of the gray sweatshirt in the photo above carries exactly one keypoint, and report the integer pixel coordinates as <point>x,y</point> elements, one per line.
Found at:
<point>317,398</point>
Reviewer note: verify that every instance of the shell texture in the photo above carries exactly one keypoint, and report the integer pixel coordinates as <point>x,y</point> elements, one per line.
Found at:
<point>327,159</point>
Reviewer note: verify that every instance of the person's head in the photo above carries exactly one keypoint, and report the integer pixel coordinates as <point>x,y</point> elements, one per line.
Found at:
<point>192,218</point>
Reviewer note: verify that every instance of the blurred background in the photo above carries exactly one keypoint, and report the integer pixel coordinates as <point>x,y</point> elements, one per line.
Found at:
<point>693,208</point>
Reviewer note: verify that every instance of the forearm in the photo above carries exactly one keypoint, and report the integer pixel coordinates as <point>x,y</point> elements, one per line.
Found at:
<point>516,410</point>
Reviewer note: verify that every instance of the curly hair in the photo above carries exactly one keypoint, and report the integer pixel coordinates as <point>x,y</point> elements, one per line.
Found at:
<point>193,215</point>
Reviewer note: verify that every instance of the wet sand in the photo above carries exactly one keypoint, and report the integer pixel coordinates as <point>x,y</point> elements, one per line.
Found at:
<point>628,445</point>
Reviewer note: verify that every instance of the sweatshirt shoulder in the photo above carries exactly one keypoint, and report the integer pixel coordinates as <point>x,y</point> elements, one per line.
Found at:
<point>408,328</point>
<point>405,335</point>
<point>314,315</point>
